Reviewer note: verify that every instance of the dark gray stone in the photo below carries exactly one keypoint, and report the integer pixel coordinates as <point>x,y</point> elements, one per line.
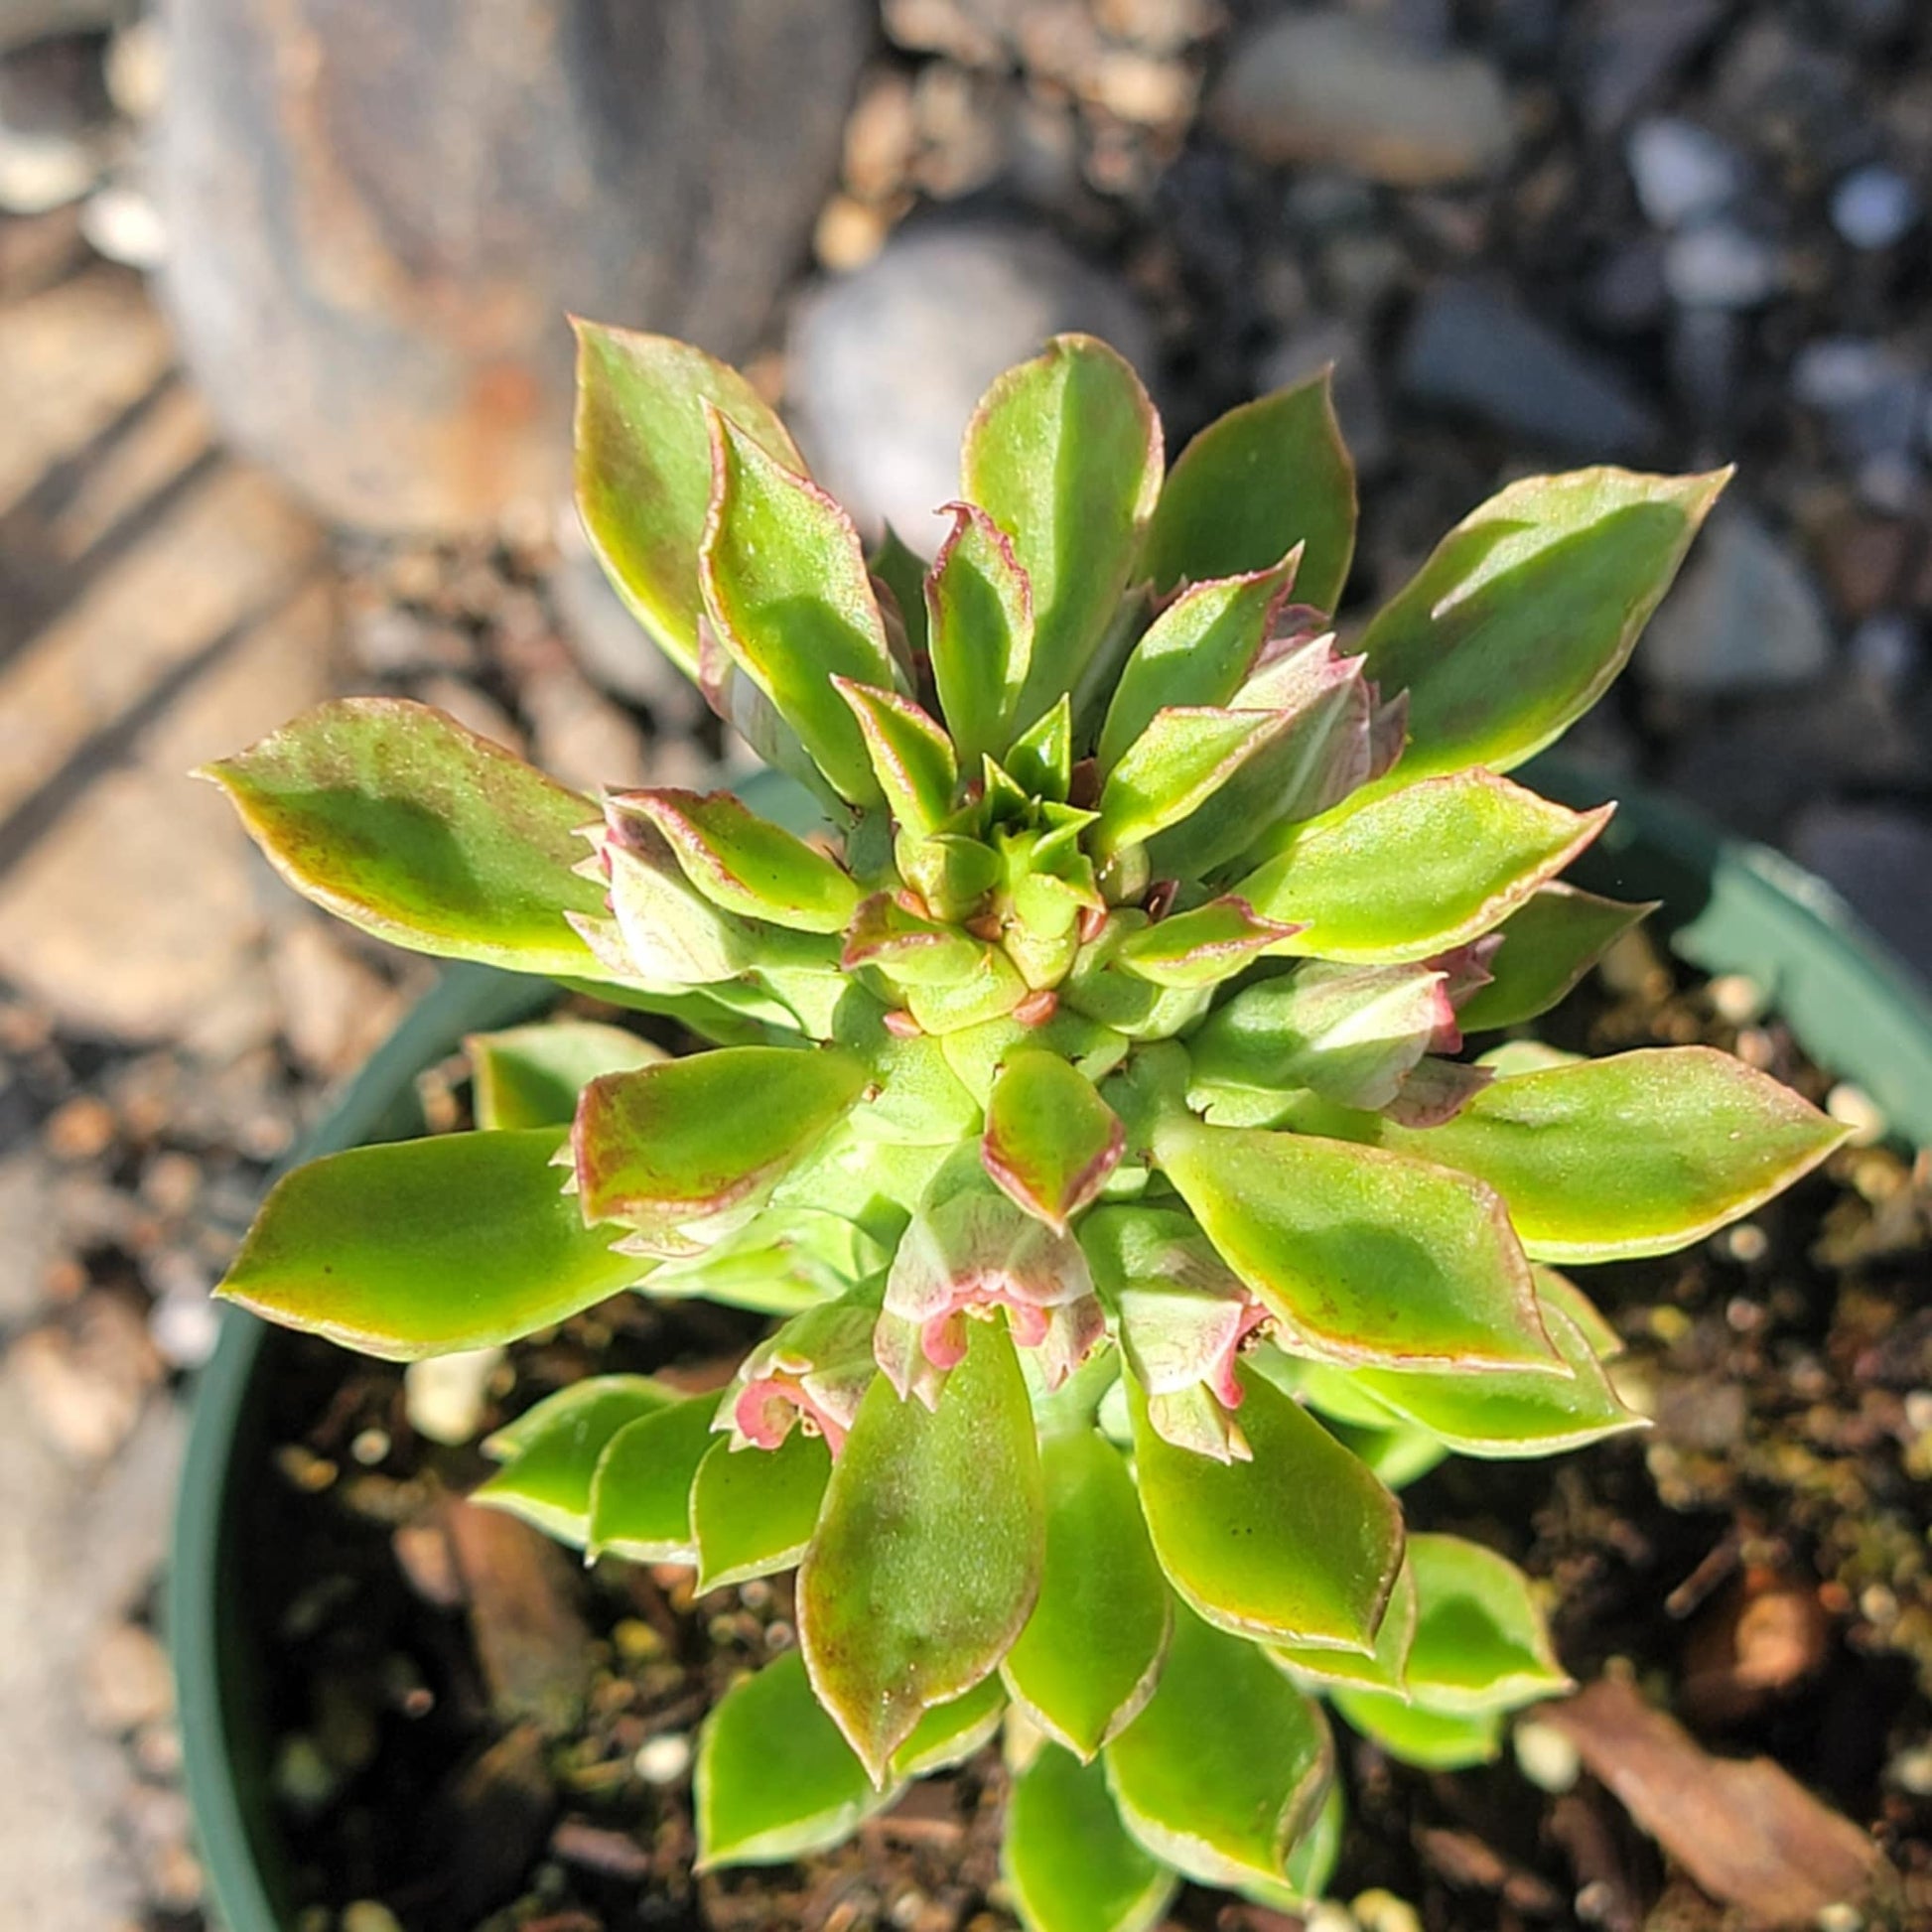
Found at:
<point>885,365</point>
<point>1473,348</point>
<point>1623,51</point>
<point>1881,858</point>
<point>380,216</point>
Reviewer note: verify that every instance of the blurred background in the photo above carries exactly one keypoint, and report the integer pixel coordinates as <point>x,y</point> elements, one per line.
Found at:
<point>284,401</point>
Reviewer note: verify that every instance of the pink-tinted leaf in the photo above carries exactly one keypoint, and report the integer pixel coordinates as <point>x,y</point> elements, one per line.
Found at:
<point>1361,1256</point>
<point>928,1555</point>
<point>695,1138</point>
<point>1297,1544</point>
<point>644,468</point>
<point>1064,453</point>
<point>410,826</point>
<point>1409,873</point>
<point>908,949</point>
<point>785,588</point>
<point>1547,945</point>
<point>912,758</point>
<point>1051,1141</point>
<point>1528,609</point>
<point>980,626</point>
<point>813,1372</point>
<point>1265,477</point>
<point>1203,947</point>
<point>425,1247</point>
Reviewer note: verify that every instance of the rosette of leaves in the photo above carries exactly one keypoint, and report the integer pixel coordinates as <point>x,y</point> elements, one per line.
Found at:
<point>1089,1104</point>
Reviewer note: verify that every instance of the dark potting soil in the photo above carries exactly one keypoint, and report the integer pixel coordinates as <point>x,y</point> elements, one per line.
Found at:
<point>475,1731</point>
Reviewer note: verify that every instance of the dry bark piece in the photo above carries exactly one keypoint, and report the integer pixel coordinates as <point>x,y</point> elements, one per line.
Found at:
<point>1747,1831</point>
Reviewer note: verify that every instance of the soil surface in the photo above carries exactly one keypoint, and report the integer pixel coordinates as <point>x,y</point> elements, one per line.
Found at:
<point>474,1733</point>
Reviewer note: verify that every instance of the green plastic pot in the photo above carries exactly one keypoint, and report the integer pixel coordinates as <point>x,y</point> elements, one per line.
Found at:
<point>1730,906</point>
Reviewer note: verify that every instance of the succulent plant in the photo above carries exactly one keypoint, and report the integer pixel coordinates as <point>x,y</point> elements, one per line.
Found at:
<point>1087,1102</point>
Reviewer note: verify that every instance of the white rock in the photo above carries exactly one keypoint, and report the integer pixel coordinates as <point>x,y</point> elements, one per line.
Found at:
<point>444,1395</point>
<point>1681,170</point>
<point>1874,208</point>
<point>1717,265</point>
<point>663,1759</point>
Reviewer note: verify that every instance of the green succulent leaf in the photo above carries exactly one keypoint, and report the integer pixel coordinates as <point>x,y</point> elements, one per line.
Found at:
<point>927,1556</point>
<point>1051,1141</point>
<point>1068,1861</point>
<point>1355,881</point>
<point>696,1137</point>
<point>640,1493</point>
<point>774,1780</point>
<point>1364,1260</point>
<point>1549,943</point>
<point>1434,1741</point>
<point>1528,609</point>
<point>426,1246</point>
<point>786,589</point>
<point>409,826</point>
<point>979,607</point>
<point>550,1453</point>
<point>1203,947</point>
<point>1298,1545</point>
<point>1087,1661</point>
<point>1183,759</point>
<point>785,1259</point>
<point>1639,1154</point>
<point>643,468</point>
<point>1040,758</point>
<point>1198,651</point>
<point>1382,1669</point>
<point>746,865</point>
<point>1064,453</point>
<point>1265,477</point>
<point>950,1734</point>
<point>913,759</point>
<point>1480,1643</point>
<point>530,1077</point>
<point>1226,1766</point>
<point>752,1511</point>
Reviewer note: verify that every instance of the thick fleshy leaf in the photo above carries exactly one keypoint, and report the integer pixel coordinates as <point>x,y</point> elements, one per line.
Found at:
<point>661,929</point>
<point>1434,1741</point>
<point>1203,947</point>
<point>747,865</point>
<point>784,1260</point>
<point>1350,1034</point>
<point>1269,475</point>
<point>644,468</point>
<point>530,1077</point>
<point>1480,1644</point>
<point>1362,1258</point>
<point>950,1734</point>
<point>1226,1766</point>
<point>927,1556</point>
<point>1183,759</point>
<point>1411,873</point>
<point>1069,1860</point>
<point>752,1510</point>
<point>695,1137</point>
<point>811,1373</point>
<point>550,1453</point>
<point>775,1779</point>
<point>908,949</point>
<point>1528,609</point>
<point>403,822</point>
<point>1382,1669</point>
<point>1051,1141</point>
<point>912,758</point>
<point>640,1494</point>
<point>1040,758</point>
<point>786,589</point>
<point>1639,1154</point>
<point>895,564</point>
<point>1548,944</point>
<point>1087,1661</point>
<point>1064,453</point>
<point>426,1246</point>
<point>980,628</point>
<point>1298,1545</point>
<point>1198,651</point>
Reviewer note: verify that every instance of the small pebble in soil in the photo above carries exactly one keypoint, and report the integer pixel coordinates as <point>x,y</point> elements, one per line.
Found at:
<point>368,1915</point>
<point>1718,265</point>
<point>1851,1106</point>
<point>1680,171</point>
<point>1547,1757</point>
<point>370,1447</point>
<point>1736,998</point>
<point>444,1394</point>
<point>1874,208</point>
<point>663,1759</point>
